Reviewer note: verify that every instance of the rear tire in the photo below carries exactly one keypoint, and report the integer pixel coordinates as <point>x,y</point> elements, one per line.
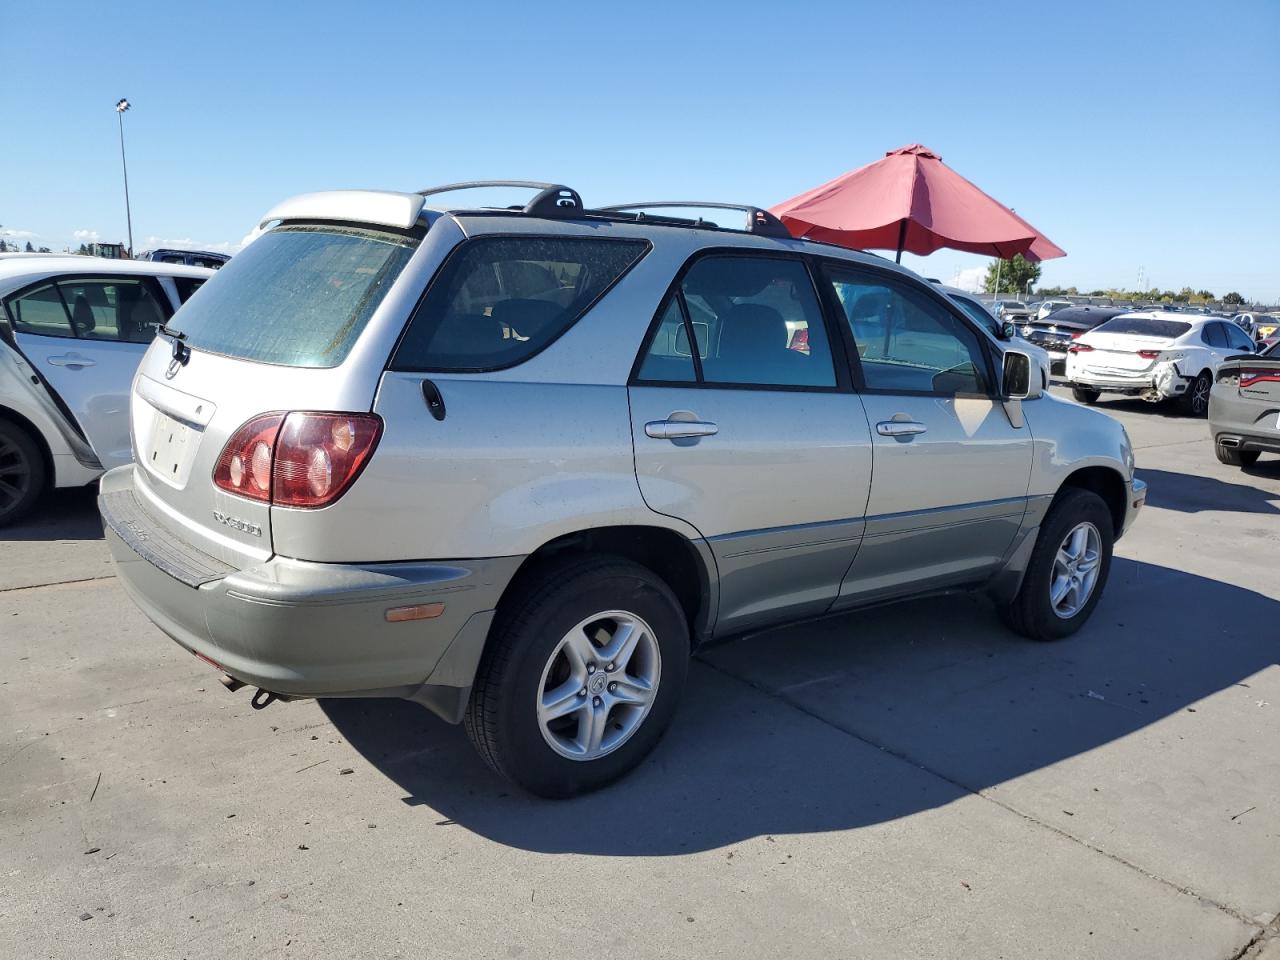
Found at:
<point>1195,402</point>
<point>526,716</point>
<point>1085,395</point>
<point>1234,456</point>
<point>22,472</point>
<point>1034,612</point>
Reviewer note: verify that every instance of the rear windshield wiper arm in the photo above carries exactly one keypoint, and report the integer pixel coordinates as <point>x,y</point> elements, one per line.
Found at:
<point>181,352</point>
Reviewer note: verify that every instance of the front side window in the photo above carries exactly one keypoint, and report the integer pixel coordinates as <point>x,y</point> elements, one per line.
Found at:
<point>297,296</point>
<point>1239,339</point>
<point>499,300</point>
<point>906,342</point>
<point>187,286</point>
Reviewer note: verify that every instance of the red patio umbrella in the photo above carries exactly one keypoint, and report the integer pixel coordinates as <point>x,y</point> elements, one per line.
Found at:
<point>912,201</point>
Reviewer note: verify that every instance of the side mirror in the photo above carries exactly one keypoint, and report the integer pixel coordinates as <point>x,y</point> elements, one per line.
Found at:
<point>1017,382</point>
<point>1008,330</point>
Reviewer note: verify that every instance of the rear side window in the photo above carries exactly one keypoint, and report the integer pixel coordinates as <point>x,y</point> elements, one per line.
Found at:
<point>498,301</point>
<point>1145,327</point>
<point>1213,335</point>
<point>297,296</point>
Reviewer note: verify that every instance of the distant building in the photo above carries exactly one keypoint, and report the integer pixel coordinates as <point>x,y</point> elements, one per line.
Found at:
<point>112,251</point>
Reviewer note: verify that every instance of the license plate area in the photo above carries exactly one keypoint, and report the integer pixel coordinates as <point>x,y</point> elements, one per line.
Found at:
<point>172,449</point>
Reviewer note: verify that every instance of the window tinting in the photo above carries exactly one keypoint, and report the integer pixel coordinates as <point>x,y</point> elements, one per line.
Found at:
<point>40,312</point>
<point>1239,339</point>
<point>1145,327</point>
<point>297,296</point>
<point>1213,335</point>
<point>757,321</point>
<point>499,300</point>
<point>978,314</point>
<point>908,343</point>
<point>187,286</point>
<point>669,357</point>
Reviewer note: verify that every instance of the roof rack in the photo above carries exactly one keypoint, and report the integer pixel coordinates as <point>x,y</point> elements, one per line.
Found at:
<point>552,199</point>
<point>759,221</point>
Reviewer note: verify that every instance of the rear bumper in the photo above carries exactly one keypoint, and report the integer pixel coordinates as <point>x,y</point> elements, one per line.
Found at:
<point>1165,381</point>
<point>307,629</point>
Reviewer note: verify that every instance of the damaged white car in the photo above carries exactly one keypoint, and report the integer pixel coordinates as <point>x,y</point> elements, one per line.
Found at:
<point>1156,356</point>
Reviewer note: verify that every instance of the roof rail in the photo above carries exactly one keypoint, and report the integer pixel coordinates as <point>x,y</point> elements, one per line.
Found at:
<point>759,221</point>
<point>552,199</point>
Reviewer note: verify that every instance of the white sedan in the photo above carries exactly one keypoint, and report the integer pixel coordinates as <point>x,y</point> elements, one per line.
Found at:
<point>72,330</point>
<point>1155,356</point>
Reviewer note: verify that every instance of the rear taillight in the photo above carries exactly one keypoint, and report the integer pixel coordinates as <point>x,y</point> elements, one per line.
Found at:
<point>1148,354</point>
<point>1077,335</point>
<point>297,459</point>
<point>1079,348</point>
<point>244,467</point>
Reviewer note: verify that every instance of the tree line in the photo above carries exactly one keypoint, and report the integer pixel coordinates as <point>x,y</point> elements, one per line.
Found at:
<point>1019,275</point>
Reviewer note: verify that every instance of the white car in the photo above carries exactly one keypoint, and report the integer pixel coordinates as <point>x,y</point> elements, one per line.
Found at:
<point>1154,355</point>
<point>72,332</point>
<point>1048,307</point>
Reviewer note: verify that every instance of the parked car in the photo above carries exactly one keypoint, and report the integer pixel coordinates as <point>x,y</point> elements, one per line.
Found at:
<point>1056,334</point>
<point>72,330</point>
<point>1154,356</point>
<point>1046,308</point>
<point>1014,310</point>
<point>1267,326</point>
<point>488,460</point>
<point>192,258</point>
<point>1244,408</point>
<point>979,313</point>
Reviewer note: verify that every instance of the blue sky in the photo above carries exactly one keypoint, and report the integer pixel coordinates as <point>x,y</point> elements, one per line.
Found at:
<point>1135,135</point>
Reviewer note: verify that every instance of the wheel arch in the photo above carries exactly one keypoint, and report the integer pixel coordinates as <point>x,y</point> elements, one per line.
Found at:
<point>1108,484</point>
<point>685,565</point>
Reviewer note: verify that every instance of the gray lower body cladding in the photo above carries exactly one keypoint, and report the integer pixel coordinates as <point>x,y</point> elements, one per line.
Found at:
<point>308,629</point>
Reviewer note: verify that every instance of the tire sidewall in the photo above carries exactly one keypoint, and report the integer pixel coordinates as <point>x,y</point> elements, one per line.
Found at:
<point>527,756</point>
<point>34,457</point>
<point>1076,507</point>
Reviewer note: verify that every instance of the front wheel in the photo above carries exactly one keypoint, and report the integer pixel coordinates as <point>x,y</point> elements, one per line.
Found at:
<point>1085,395</point>
<point>1068,569</point>
<point>1196,400</point>
<point>582,673</point>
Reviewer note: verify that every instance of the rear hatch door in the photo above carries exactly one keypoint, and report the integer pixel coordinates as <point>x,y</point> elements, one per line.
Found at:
<point>302,319</point>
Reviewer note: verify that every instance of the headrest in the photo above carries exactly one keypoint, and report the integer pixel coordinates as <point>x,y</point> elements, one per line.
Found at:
<point>752,328</point>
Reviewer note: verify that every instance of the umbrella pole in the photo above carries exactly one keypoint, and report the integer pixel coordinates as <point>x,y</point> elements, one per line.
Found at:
<point>902,239</point>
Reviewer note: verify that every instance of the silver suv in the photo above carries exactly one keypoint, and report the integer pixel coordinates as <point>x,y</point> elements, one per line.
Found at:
<point>515,464</point>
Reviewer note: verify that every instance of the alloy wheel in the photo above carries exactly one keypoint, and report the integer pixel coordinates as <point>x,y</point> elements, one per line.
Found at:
<point>1075,570</point>
<point>15,475</point>
<point>1200,395</point>
<point>598,685</point>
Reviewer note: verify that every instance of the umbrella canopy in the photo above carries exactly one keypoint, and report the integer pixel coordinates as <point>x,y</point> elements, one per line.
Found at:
<point>912,201</point>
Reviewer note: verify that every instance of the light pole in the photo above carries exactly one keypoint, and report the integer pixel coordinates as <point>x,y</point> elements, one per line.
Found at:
<point>121,106</point>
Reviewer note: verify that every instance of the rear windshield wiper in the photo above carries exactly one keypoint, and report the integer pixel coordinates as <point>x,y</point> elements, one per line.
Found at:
<point>181,352</point>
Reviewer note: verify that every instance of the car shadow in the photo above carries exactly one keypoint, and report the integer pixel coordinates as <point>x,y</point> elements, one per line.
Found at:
<point>1189,493</point>
<point>787,731</point>
<point>67,514</point>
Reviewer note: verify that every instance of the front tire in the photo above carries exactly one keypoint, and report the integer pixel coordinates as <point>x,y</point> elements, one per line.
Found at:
<point>581,676</point>
<point>22,473</point>
<point>1068,568</point>
<point>1085,395</point>
<point>1195,402</point>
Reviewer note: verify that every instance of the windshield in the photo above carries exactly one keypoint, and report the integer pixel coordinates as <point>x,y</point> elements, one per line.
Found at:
<point>1145,327</point>
<point>297,296</point>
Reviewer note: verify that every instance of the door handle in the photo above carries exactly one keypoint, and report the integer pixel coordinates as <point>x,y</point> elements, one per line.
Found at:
<point>678,429</point>
<point>899,428</point>
<point>72,360</point>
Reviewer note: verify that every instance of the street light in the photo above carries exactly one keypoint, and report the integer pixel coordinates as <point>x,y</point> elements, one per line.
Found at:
<point>121,106</point>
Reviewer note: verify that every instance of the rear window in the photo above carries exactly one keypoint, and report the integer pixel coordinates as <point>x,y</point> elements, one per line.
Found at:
<point>1144,327</point>
<point>297,296</point>
<point>499,300</point>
